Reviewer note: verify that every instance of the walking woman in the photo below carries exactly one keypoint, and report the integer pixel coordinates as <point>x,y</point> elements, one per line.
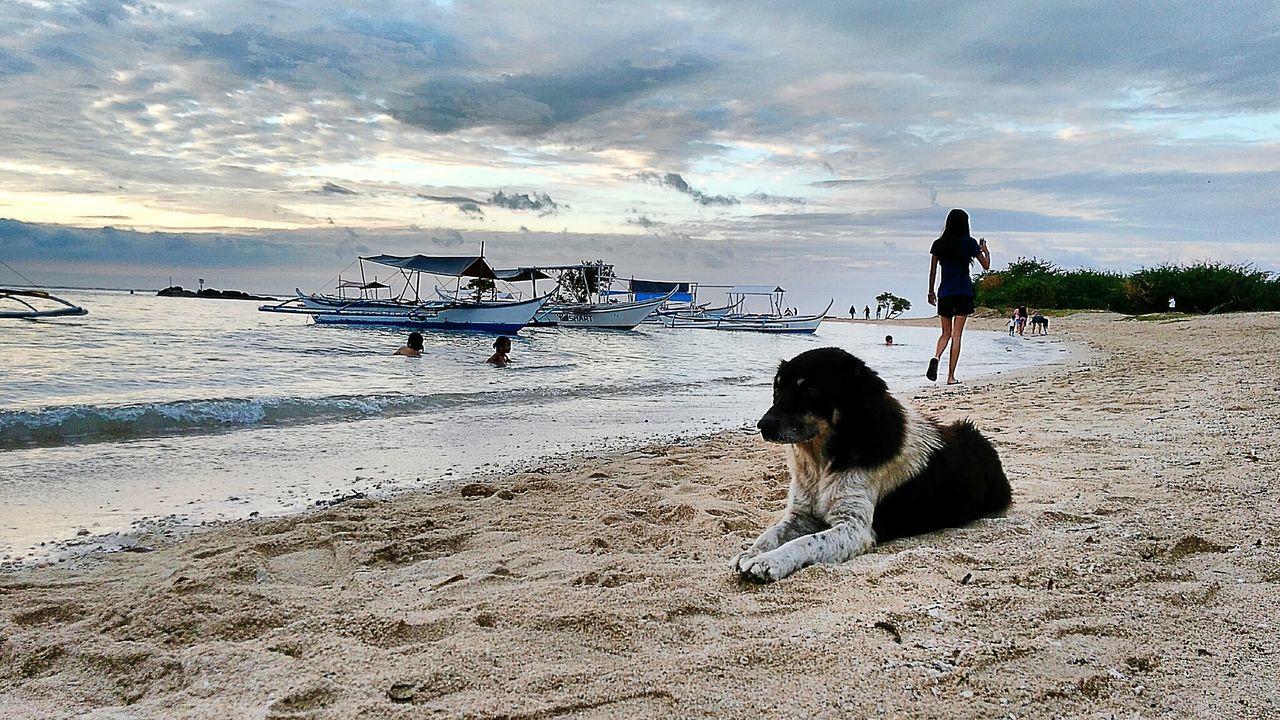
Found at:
<point>954,251</point>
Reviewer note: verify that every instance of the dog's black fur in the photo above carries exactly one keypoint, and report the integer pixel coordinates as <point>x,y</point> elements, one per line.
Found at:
<point>831,401</point>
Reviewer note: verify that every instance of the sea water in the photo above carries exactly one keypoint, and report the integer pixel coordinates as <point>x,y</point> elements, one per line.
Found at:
<point>189,411</point>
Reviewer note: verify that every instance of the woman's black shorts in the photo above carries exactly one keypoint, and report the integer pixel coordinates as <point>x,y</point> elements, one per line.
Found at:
<point>953,305</point>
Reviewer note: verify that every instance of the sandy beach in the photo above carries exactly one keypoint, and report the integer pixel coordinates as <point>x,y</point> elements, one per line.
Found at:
<point>1136,576</point>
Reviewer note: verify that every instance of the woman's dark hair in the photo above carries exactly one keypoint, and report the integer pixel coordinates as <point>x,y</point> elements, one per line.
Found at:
<point>951,246</point>
<point>415,341</point>
<point>504,340</point>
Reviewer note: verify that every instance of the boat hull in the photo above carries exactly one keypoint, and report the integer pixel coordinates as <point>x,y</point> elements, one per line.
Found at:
<point>503,318</point>
<point>605,316</point>
<point>746,323</point>
<point>37,314</point>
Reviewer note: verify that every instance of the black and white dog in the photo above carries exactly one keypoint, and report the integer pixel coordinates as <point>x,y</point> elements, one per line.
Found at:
<point>864,467</point>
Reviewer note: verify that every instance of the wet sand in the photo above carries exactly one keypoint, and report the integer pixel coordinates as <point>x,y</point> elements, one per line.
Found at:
<point>1135,576</point>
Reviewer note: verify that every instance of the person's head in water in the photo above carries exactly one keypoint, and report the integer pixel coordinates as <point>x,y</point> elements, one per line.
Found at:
<point>412,346</point>
<point>955,231</point>
<point>888,339</point>
<point>501,347</point>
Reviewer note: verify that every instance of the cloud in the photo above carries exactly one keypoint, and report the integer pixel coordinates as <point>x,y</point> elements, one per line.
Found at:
<point>448,238</point>
<point>13,64</point>
<point>257,54</point>
<point>643,221</point>
<point>770,199</point>
<point>61,55</point>
<point>677,183</point>
<point>465,205</point>
<point>541,203</point>
<point>335,189</point>
<point>108,12</point>
<point>532,104</point>
<point>113,246</point>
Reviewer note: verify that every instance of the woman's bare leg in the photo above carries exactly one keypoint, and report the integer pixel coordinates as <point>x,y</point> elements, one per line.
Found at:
<point>955,348</point>
<point>946,336</point>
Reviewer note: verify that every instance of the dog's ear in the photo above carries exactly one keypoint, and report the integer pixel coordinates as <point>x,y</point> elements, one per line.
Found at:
<point>777,375</point>
<point>867,420</point>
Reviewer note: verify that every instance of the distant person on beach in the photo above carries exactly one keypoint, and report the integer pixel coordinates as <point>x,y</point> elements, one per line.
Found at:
<point>1013,323</point>
<point>501,347</point>
<point>1039,324</point>
<point>878,308</point>
<point>412,347</point>
<point>888,339</point>
<point>853,312</point>
<point>1021,319</point>
<point>954,251</point>
<point>866,312</point>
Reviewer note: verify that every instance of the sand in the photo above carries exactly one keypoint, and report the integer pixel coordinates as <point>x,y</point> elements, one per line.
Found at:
<point>1136,576</point>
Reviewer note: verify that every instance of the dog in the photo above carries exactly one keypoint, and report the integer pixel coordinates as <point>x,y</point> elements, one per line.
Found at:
<point>864,467</point>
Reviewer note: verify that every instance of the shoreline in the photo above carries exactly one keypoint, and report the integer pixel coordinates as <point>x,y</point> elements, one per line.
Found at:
<point>1132,574</point>
<point>250,497</point>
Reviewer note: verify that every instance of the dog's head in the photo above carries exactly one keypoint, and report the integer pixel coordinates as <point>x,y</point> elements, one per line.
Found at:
<point>815,392</point>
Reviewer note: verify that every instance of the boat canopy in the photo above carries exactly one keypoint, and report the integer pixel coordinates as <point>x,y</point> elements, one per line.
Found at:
<point>437,264</point>
<point>375,285</point>
<point>521,274</point>
<point>650,289</point>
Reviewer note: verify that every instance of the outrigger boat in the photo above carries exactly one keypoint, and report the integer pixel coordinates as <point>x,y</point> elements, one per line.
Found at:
<point>409,309</point>
<point>34,304</point>
<point>733,318</point>
<point>682,302</point>
<point>592,308</point>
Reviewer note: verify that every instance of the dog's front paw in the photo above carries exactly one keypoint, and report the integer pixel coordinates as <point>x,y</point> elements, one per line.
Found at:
<point>762,568</point>
<point>740,562</point>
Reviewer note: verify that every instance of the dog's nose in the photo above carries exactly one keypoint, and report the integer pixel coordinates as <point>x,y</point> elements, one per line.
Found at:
<point>768,426</point>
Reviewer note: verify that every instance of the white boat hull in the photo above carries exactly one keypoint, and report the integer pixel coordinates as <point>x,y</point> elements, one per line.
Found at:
<point>743,322</point>
<point>610,316</point>
<point>746,323</point>
<point>494,317</point>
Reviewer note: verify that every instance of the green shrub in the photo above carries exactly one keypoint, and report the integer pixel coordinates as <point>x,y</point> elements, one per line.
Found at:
<point>1205,287</point>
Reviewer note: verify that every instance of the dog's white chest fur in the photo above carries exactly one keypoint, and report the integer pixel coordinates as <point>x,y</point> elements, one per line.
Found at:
<point>829,495</point>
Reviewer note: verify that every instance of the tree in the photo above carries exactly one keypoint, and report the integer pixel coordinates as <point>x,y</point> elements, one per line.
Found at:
<point>579,284</point>
<point>892,305</point>
<point>480,286</point>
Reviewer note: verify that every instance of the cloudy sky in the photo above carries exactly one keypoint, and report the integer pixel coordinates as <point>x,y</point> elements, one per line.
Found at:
<point>263,145</point>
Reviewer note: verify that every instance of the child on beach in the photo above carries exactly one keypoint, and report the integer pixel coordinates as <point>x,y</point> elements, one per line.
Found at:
<point>955,251</point>
<point>412,347</point>
<point>501,347</point>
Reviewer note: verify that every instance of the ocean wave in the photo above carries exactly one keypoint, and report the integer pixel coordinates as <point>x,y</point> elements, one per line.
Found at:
<point>82,424</point>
